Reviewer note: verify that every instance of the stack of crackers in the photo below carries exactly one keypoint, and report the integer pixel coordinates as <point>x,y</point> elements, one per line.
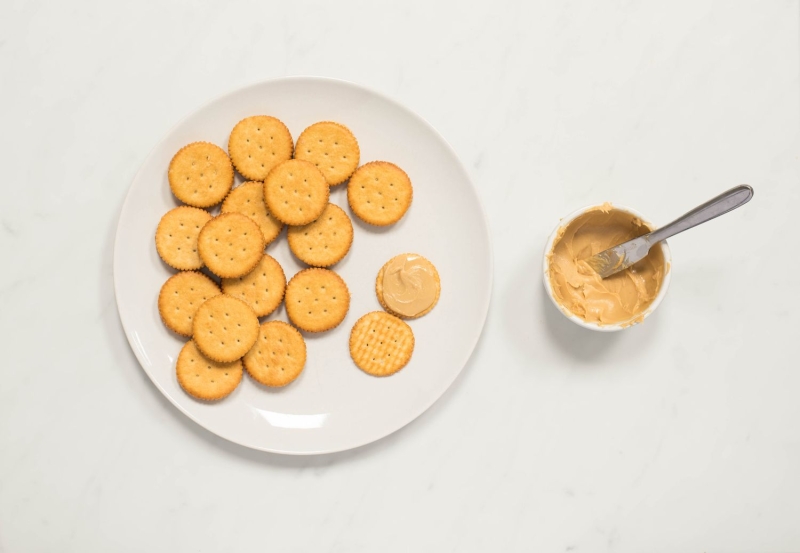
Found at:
<point>226,281</point>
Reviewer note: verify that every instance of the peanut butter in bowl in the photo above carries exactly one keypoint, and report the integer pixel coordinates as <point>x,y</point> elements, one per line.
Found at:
<point>618,301</point>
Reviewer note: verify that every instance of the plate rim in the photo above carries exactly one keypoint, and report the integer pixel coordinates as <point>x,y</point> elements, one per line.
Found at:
<point>484,219</point>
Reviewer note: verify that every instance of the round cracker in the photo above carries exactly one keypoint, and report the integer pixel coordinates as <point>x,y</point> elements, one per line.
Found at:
<point>180,297</point>
<point>317,300</point>
<point>332,148</point>
<point>205,378</point>
<point>200,174</point>
<point>278,356</point>
<point>381,344</point>
<point>379,288</point>
<point>325,241</point>
<point>230,245</point>
<point>257,144</point>
<point>176,237</point>
<point>379,193</point>
<point>224,328</point>
<point>262,288</point>
<point>248,199</point>
<point>296,192</point>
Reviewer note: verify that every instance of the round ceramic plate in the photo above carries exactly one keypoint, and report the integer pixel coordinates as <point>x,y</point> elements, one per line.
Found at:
<point>333,405</point>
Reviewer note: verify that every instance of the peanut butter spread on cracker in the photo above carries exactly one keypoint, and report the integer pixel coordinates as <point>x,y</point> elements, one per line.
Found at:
<point>620,299</point>
<point>410,285</point>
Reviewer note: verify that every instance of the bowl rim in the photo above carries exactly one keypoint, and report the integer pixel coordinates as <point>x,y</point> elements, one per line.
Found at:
<point>596,326</point>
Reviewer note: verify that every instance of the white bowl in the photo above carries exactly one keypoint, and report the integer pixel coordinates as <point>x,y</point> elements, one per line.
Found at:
<point>596,326</point>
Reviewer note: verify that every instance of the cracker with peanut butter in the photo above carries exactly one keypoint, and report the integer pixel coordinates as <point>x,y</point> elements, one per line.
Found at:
<point>408,286</point>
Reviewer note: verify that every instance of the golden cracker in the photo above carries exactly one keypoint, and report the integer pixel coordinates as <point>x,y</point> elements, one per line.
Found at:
<point>296,192</point>
<point>278,356</point>
<point>180,297</point>
<point>176,237</point>
<point>332,148</point>
<point>257,144</point>
<point>325,241</point>
<point>317,300</point>
<point>248,199</point>
<point>230,245</point>
<point>224,328</point>
<point>200,174</point>
<point>379,288</point>
<point>262,288</point>
<point>379,193</point>
<point>381,344</point>
<point>205,378</point>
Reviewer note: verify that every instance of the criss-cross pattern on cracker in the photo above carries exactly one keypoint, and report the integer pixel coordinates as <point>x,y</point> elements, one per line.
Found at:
<point>381,344</point>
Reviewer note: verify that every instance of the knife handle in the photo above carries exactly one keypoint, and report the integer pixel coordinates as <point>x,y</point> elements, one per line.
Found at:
<point>713,208</point>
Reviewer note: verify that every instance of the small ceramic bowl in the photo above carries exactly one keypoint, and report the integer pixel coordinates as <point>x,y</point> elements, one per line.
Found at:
<point>595,326</point>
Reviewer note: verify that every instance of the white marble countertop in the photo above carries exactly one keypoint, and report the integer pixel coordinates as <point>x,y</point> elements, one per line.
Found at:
<point>682,434</point>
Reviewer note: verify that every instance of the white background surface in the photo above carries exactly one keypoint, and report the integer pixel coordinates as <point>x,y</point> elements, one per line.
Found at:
<point>680,434</point>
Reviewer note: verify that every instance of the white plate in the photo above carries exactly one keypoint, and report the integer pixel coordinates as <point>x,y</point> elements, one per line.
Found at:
<point>333,405</point>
